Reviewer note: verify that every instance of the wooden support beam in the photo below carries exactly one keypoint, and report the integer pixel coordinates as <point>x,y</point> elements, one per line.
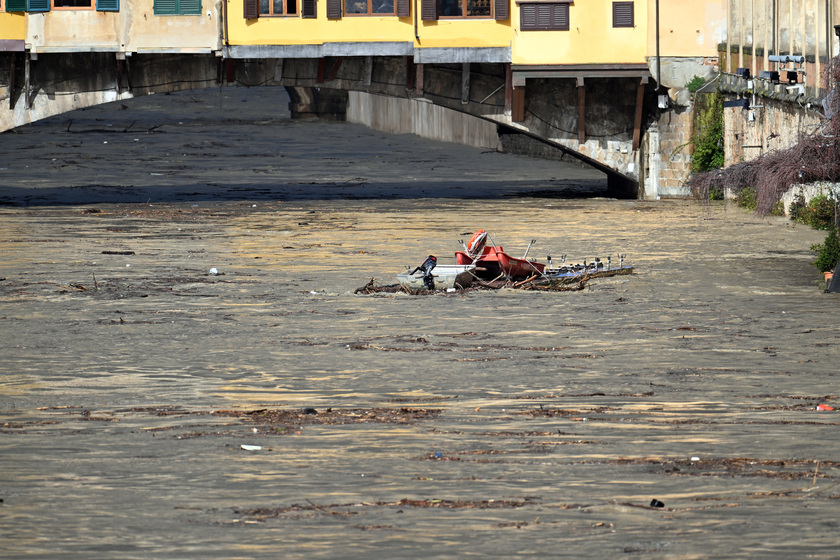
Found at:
<point>334,71</point>
<point>410,73</point>
<point>637,124</point>
<point>230,71</point>
<point>518,108</point>
<point>465,83</point>
<point>322,70</point>
<point>581,110</point>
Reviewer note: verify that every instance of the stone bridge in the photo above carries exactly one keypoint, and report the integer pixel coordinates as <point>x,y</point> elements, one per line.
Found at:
<point>606,117</point>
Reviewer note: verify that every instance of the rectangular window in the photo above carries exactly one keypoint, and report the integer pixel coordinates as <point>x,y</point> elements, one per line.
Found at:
<point>544,16</point>
<point>369,7</point>
<point>465,8</point>
<point>73,4</point>
<point>177,7</point>
<point>623,14</point>
<point>278,7</point>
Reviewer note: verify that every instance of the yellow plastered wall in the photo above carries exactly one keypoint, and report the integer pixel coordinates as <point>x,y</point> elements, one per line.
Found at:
<point>72,28</point>
<point>12,26</point>
<point>591,38</point>
<point>294,30</point>
<point>465,33</point>
<point>134,28</point>
<point>687,28</point>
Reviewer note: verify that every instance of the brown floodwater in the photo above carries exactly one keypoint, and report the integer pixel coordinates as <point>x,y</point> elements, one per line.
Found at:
<point>489,423</point>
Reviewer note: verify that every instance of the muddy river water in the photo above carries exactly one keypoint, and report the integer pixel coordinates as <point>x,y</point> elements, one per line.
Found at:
<point>502,423</point>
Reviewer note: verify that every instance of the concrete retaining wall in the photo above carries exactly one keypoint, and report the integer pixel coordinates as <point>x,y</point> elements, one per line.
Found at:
<point>416,116</point>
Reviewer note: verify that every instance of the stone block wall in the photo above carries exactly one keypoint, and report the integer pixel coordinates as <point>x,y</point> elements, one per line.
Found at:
<point>675,148</point>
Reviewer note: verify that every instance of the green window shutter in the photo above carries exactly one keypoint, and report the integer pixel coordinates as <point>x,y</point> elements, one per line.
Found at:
<point>175,7</point>
<point>38,6</point>
<point>190,7</point>
<point>108,5</point>
<point>15,5</point>
<point>166,7</point>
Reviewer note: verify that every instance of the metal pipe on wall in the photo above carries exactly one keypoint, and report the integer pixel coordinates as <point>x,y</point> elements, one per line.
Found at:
<point>658,59</point>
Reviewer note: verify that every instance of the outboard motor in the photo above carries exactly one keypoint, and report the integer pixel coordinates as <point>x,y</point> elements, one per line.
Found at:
<point>426,268</point>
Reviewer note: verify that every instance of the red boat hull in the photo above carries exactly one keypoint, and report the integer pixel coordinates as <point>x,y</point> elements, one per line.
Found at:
<point>496,262</point>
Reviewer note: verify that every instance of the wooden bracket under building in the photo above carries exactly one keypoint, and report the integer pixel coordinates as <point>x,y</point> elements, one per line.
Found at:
<point>637,125</point>
<point>322,70</point>
<point>409,73</point>
<point>334,71</point>
<point>517,101</point>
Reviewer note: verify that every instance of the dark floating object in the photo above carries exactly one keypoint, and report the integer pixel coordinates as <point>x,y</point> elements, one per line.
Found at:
<point>117,252</point>
<point>656,503</point>
<point>310,411</point>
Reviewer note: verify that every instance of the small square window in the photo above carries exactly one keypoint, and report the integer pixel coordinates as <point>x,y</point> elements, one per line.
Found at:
<point>623,14</point>
<point>72,4</point>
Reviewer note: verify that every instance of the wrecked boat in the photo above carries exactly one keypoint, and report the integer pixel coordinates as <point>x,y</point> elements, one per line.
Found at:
<point>443,277</point>
<point>493,262</point>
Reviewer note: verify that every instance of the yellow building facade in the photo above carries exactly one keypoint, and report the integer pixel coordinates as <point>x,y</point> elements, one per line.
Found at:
<point>520,32</point>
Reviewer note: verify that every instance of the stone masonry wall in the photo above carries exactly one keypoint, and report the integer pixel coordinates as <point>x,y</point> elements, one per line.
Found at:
<point>675,130</point>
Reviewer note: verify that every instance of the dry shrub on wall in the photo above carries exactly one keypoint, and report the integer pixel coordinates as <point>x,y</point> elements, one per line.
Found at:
<point>815,158</point>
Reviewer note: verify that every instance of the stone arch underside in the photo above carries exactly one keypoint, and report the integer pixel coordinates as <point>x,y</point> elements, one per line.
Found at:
<point>45,85</point>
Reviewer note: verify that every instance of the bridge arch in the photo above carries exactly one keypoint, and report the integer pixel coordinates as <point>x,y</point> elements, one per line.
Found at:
<point>596,119</point>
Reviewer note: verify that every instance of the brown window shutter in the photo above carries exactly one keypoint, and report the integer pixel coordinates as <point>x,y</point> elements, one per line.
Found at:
<point>403,8</point>
<point>251,9</point>
<point>309,9</point>
<point>528,16</point>
<point>502,8</point>
<point>623,14</point>
<point>428,10</point>
<point>561,17</point>
<point>333,9</point>
<point>544,16</point>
